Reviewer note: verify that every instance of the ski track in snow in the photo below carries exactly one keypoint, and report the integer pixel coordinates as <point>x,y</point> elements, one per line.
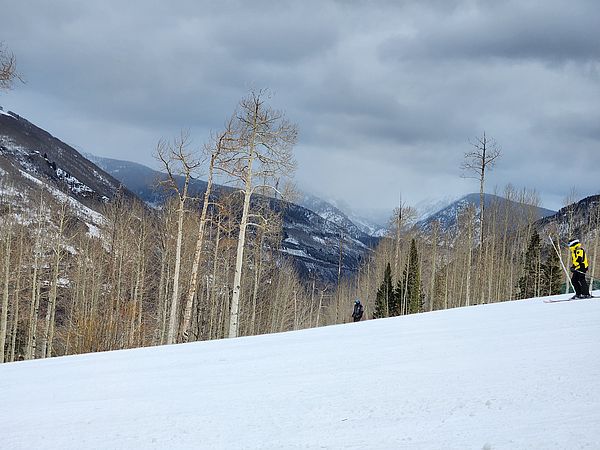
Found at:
<point>514,375</point>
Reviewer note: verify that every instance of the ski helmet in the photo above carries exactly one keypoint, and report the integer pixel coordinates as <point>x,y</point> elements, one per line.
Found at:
<point>573,242</point>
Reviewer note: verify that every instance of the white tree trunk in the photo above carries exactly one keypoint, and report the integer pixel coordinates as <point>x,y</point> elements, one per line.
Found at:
<point>172,333</point>
<point>35,301</point>
<point>4,315</point>
<point>53,295</point>
<point>239,259</point>
<point>187,314</point>
<point>469,257</point>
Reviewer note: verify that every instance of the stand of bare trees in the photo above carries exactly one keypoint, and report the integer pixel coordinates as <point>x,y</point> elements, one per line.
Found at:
<point>208,265</point>
<point>64,291</point>
<point>457,269</point>
<point>202,267</point>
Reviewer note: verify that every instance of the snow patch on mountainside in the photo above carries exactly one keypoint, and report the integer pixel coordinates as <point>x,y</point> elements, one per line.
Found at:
<point>9,190</point>
<point>296,252</point>
<point>341,214</point>
<point>429,207</point>
<point>75,186</point>
<point>80,210</point>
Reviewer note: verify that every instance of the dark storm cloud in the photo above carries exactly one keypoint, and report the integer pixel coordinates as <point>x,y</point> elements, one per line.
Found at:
<point>549,31</point>
<point>386,94</point>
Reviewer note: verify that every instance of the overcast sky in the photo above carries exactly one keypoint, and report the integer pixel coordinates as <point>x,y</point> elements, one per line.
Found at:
<point>386,94</point>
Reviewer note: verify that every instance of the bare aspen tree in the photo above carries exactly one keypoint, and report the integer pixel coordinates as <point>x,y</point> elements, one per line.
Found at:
<point>270,226</point>
<point>6,282</point>
<point>162,232</point>
<point>8,69</point>
<point>434,245</point>
<point>53,295</point>
<point>177,160</point>
<point>265,153</point>
<point>339,277</point>
<point>223,144</point>
<point>398,216</point>
<point>35,286</point>
<point>477,161</point>
<point>140,258</point>
<point>257,275</point>
<point>211,281</point>
<point>17,296</point>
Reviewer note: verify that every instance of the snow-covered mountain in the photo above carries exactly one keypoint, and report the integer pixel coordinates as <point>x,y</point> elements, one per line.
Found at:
<point>583,217</point>
<point>31,158</point>
<point>311,238</point>
<point>341,213</point>
<point>330,210</point>
<point>428,207</point>
<point>33,161</point>
<point>513,375</point>
<point>448,216</point>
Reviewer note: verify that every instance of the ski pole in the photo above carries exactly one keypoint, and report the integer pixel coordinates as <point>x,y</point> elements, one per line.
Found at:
<point>561,263</point>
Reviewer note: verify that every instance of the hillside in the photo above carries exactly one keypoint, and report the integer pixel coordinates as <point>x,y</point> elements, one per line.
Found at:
<point>32,162</point>
<point>344,215</point>
<point>448,215</point>
<point>512,375</point>
<point>583,216</point>
<point>31,158</point>
<point>311,237</point>
<point>142,180</point>
<point>26,149</point>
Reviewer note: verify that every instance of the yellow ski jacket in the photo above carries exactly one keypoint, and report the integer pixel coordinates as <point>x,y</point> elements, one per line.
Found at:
<point>580,261</point>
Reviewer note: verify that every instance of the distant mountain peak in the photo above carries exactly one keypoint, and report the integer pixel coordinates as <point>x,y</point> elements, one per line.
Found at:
<point>447,216</point>
<point>311,237</point>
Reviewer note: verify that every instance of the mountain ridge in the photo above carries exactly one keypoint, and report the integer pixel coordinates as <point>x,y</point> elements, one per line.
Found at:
<point>448,216</point>
<point>31,157</point>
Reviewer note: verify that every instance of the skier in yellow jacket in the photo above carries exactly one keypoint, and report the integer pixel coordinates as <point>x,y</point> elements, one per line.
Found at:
<point>579,268</point>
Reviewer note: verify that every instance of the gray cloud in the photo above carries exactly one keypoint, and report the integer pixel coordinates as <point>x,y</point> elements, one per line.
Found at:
<point>515,30</point>
<point>386,94</point>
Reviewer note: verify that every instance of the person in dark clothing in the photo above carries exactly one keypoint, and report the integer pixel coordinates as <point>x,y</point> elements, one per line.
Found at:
<point>358,311</point>
<point>579,268</point>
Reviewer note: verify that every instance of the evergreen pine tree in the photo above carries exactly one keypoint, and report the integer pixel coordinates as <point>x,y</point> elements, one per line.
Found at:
<point>414,293</point>
<point>385,295</point>
<point>398,295</point>
<point>410,284</point>
<point>530,280</point>
<point>551,275</point>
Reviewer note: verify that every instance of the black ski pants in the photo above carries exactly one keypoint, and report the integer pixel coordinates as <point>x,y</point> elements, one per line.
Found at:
<point>580,283</point>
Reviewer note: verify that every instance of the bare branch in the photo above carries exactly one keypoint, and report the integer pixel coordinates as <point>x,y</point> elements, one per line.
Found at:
<point>8,69</point>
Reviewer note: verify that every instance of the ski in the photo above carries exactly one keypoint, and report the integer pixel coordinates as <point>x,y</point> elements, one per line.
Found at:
<point>559,300</point>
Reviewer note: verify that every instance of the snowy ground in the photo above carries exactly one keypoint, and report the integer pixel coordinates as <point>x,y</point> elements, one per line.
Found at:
<point>506,376</point>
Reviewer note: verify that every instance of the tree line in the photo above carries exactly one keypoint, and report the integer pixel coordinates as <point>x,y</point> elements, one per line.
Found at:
<point>209,267</point>
<point>417,270</point>
<point>199,268</point>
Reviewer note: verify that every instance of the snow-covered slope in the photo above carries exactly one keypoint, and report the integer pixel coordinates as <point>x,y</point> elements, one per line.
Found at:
<point>515,375</point>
